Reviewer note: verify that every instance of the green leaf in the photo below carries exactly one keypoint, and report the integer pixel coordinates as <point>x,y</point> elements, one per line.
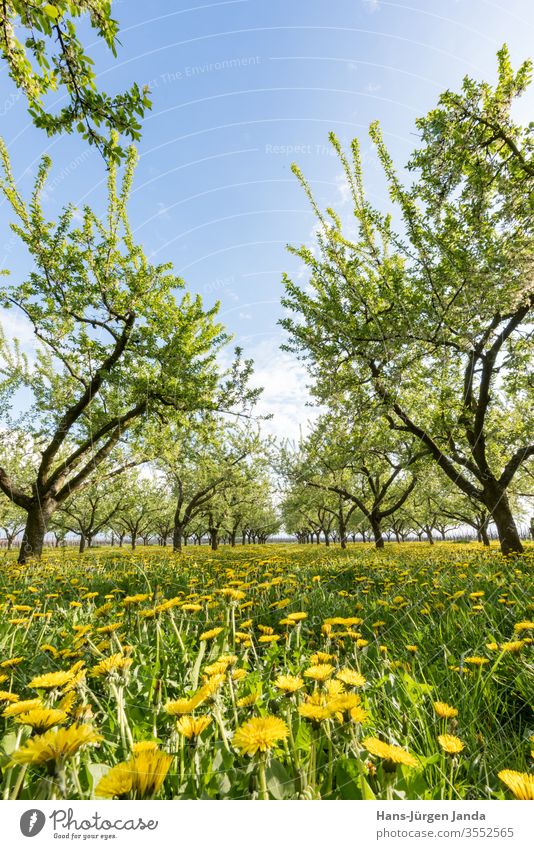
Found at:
<point>279,783</point>
<point>51,11</point>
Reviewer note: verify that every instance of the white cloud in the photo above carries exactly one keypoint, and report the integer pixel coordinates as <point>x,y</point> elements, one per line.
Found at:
<point>284,380</point>
<point>17,326</point>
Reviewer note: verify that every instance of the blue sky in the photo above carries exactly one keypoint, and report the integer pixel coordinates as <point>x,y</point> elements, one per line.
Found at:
<point>241,89</point>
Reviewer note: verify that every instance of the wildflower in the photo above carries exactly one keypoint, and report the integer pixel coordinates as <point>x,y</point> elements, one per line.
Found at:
<point>141,776</point>
<point>524,626</point>
<point>358,714</point>
<point>248,701</point>
<point>450,744</point>
<point>11,662</point>
<point>320,672</point>
<point>210,635</point>
<point>41,719</point>
<point>130,600</point>
<point>116,663</point>
<point>314,712</point>
<point>321,657</point>
<point>297,617</point>
<point>476,661</point>
<point>513,647</point>
<point>181,706</point>
<point>190,727</point>
<point>343,703</point>
<point>51,680</point>
<point>520,783</point>
<point>56,745</point>
<point>289,683</point>
<point>393,754</point>
<point>445,711</point>
<point>5,696</point>
<point>238,674</point>
<point>22,706</point>
<point>260,734</point>
<point>334,688</point>
<point>351,678</point>
<point>269,638</point>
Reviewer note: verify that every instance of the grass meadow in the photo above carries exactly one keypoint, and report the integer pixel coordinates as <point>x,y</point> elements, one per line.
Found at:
<point>273,672</point>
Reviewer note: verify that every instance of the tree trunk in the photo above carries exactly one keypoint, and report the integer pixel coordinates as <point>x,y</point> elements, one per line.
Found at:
<point>177,534</point>
<point>232,538</point>
<point>81,547</point>
<point>214,539</point>
<point>499,507</point>
<point>377,532</point>
<point>342,532</point>
<point>428,531</point>
<point>35,531</point>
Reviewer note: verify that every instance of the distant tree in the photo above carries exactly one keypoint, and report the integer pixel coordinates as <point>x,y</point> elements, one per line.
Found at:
<point>91,509</point>
<point>12,521</point>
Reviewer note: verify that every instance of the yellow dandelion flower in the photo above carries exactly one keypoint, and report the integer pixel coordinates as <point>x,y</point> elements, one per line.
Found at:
<point>116,784</point>
<point>210,635</point>
<point>445,711</point>
<point>321,657</point>
<point>297,617</point>
<point>343,703</point>
<point>524,626</point>
<point>51,680</point>
<point>476,661</point>
<point>314,712</point>
<point>191,727</point>
<point>56,745</point>
<point>334,688</point>
<point>41,719</point>
<point>358,714</point>
<point>387,752</point>
<point>520,783</point>
<point>320,672</point>
<point>289,683</point>
<point>11,662</point>
<point>6,696</point>
<point>141,776</point>
<point>115,664</point>
<point>22,707</point>
<point>269,638</point>
<point>451,744</point>
<point>351,678</point>
<point>260,734</point>
<point>513,647</point>
<point>181,706</point>
<point>130,600</point>
<point>238,674</point>
<point>248,701</point>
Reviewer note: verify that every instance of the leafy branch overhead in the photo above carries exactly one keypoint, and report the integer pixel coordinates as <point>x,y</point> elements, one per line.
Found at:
<point>51,59</point>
